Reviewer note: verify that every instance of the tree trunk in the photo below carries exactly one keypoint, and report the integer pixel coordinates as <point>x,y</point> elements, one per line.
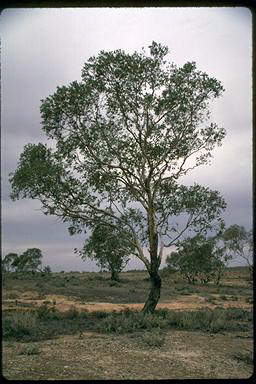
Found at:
<point>114,275</point>
<point>154,294</point>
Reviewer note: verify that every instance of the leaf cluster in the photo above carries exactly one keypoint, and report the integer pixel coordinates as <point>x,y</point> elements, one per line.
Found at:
<point>30,260</point>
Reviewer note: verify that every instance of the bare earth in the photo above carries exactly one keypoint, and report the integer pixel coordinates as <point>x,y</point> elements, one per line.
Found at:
<point>64,303</point>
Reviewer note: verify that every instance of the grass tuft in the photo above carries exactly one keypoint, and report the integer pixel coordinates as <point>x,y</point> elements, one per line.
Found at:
<point>153,339</point>
<point>29,350</point>
<point>245,357</point>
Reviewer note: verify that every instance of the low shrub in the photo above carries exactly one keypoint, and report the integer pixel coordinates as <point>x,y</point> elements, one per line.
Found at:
<point>245,357</point>
<point>19,325</point>
<point>29,350</point>
<point>114,283</point>
<point>45,323</point>
<point>153,339</point>
<point>216,320</point>
<point>43,312</point>
<point>59,283</point>
<point>100,315</point>
<point>129,321</point>
<point>72,313</point>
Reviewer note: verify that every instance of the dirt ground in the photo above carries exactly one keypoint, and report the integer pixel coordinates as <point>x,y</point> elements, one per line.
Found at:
<point>92,356</point>
<point>30,300</point>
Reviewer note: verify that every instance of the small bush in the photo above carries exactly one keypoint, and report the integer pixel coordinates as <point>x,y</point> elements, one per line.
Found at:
<point>114,283</point>
<point>43,312</point>
<point>100,315</point>
<point>29,350</point>
<point>72,313</point>
<point>129,321</point>
<point>185,289</point>
<point>163,312</point>
<point>19,325</point>
<point>234,313</point>
<point>245,357</point>
<point>60,283</point>
<point>153,339</point>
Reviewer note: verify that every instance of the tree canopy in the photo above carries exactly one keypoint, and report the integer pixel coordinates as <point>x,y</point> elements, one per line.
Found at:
<point>239,243</point>
<point>8,260</point>
<point>119,140</point>
<point>200,258</point>
<point>109,247</point>
<point>30,260</point>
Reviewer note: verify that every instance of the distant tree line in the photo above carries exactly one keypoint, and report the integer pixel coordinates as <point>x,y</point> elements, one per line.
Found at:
<point>28,261</point>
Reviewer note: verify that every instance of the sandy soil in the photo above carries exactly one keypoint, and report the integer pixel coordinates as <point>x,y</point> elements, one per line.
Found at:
<point>28,300</point>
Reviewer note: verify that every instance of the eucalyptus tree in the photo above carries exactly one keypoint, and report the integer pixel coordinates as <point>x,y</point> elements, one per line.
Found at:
<point>31,260</point>
<point>120,139</point>
<point>200,258</point>
<point>110,248</point>
<point>239,243</point>
<point>7,261</point>
<point>194,259</point>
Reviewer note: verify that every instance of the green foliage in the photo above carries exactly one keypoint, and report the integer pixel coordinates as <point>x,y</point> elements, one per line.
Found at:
<point>109,247</point>
<point>30,260</point>
<point>239,242</point>
<point>20,326</point>
<point>43,312</point>
<point>199,259</point>
<point>9,261</point>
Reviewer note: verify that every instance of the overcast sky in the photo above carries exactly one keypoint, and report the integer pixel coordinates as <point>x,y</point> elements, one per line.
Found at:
<point>45,48</point>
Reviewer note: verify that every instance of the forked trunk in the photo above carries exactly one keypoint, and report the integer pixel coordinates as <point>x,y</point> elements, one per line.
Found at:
<point>154,294</point>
